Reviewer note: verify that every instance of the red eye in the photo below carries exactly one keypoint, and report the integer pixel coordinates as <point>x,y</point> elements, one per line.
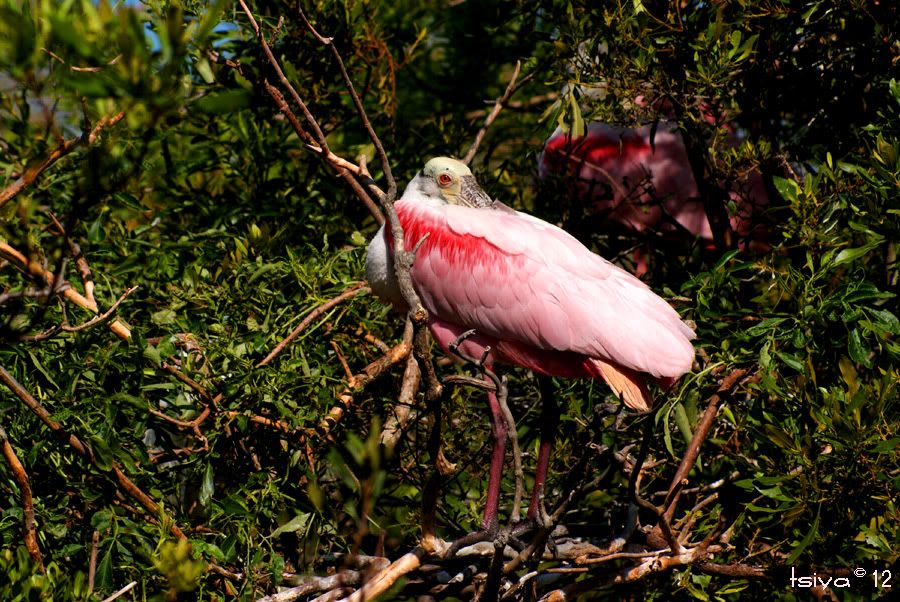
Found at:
<point>444,179</point>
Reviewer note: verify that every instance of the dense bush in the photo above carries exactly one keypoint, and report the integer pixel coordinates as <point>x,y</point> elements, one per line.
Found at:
<point>195,189</point>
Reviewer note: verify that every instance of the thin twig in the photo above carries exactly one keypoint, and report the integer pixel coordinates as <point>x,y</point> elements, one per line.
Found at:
<point>360,110</point>
<point>121,592</point>
<point>318,139</point>
<point>102,317</point>
<point>359,289</point>
<point>36,270</point>
<point>693,449</point>
<point>84,269</point>
<point>92,564</point>
<point>498,106</point>
<point>345,400</point>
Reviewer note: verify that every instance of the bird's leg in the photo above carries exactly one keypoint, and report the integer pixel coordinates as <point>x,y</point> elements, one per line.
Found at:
<point>549,422</point>
<point>490,524</point>
<point>499,431</point>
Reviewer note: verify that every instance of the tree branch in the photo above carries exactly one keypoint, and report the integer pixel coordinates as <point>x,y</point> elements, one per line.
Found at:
<point>37,271</point>
<point>511,87</point>
<point>21,478</point>
<point>32,173</point>
<point>359,289</point>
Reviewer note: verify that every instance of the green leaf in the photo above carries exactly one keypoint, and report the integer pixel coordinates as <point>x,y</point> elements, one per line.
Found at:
<point>681,420</point>
<point>103,455</point>
<point>103,579</point>
<point>42,370</point>
<point>792,361</point>
<point>207,487</point>
<point>152,355</point>
<point>888,446</point>
<point>808,539</point>
<point>848,255</point>
<point>205,70</point>
<point>788,189</point>
<point>211,18</point>
<point>885,320</point>
<point>857,349</point>
<point>219,103</point>
<point>163,317</point>
<point>297,523</point>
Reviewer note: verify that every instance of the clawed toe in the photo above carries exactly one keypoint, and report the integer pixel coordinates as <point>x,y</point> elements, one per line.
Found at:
<point>499,537</point>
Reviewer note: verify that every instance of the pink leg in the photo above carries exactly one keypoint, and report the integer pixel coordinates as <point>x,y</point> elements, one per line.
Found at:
<point>549,422</point>
<point>490,525</point>
<point>499,431</point>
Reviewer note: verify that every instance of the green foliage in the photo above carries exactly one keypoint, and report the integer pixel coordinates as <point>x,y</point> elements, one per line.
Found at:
<point>205,198</point>
<point>23,581</point>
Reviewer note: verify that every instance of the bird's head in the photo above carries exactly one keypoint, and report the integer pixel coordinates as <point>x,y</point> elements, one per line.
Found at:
<point>453,182</point>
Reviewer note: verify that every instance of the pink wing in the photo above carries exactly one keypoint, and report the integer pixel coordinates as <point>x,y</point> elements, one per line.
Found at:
<point>514,277</point>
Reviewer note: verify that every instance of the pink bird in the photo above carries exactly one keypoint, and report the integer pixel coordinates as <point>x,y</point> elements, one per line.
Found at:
<point>638,183</point>
<point>535,296</point>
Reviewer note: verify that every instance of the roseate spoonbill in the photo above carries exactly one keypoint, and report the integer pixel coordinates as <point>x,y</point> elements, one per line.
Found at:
<point>637,184</point>
<point>535,296</point>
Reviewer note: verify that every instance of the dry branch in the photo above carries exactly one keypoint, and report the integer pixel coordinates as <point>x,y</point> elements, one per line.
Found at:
<point>314,583</point>
<point>693,449</point>
<point>317,141</point>
<point>32,173</point>
<point>36,270</point>
<point>22,480</point>
<point>87,279</point>
<point>511,87</point>
<point>386,578</point>
<point>397,354</point>
<point>397,422</point>
<point>359,289</point>
<point>121,592</point>
<point>92,563</point>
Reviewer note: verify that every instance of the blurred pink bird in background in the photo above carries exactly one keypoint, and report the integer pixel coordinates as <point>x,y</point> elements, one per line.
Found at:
<point>641,179</point>
<point>535,296</point>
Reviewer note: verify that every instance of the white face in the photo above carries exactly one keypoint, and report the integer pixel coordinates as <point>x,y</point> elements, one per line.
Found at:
<point>453,182</point>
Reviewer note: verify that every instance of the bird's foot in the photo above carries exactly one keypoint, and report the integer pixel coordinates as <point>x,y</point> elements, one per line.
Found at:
<point>489,532</point>
<point>539,527</point>
<point>492,533</point>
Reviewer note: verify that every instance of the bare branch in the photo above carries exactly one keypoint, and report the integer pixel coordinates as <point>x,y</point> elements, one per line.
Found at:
<point>360,110</point>
<point>345,400</point>
<point>693,449</point>
<point>511,87</point>
<point>22,480</point>
<point>359,289</point>
<point>102,317</point>
<point>84,269</point>
<point>318,139</point>
<point>92,564</point>
<point>121,592</point>
<point>386,578</point>
<point>398,420</point>
<point>315,583</point>
<point>32,173</point>
<point>36,270</point>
